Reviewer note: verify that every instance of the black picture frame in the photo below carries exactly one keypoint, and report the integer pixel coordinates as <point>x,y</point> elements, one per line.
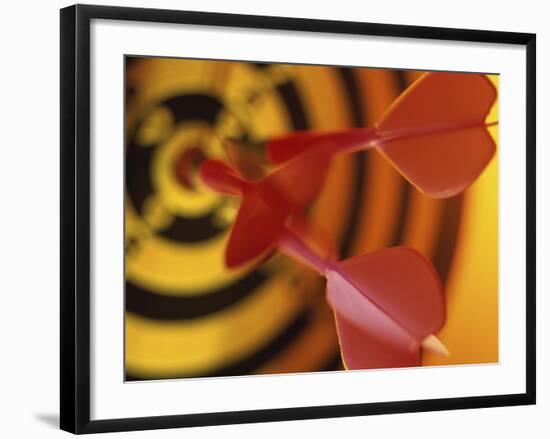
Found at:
<point>75,217</point>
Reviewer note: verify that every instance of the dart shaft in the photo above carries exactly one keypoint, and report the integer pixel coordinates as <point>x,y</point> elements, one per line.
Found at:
<point>292,245</point>
<point>424,130</point>
<point>361,139</point>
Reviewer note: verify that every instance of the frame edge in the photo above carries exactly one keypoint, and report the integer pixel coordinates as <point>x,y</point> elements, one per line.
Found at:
<point>75,219</point>
<point>67,419</point>
<point>303,24</point>
<point>531,241</point>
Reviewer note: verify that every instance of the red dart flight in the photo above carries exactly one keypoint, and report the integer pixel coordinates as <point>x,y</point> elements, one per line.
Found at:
<point>267,203</point>
<point>435,134</point>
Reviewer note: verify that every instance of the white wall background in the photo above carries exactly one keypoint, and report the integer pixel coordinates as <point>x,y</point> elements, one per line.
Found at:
<point>29,247</point>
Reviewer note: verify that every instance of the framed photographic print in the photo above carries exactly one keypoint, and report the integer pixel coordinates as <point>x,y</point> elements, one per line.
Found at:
<point>268,218</point>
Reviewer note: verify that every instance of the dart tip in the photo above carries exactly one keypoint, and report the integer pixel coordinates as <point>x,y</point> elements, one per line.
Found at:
<point>432,343</point>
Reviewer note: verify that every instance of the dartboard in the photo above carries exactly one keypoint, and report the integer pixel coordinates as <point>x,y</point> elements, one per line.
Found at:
<point>187,315</point>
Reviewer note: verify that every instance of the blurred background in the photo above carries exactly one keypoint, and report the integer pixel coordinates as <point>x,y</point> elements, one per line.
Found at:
<point>186,314</point>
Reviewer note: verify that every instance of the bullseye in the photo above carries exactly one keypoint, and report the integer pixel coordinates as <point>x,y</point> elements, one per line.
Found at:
<point>186,166</point>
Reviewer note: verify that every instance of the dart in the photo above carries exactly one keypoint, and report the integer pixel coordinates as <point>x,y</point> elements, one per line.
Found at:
<point>267,203</point>
<point>387,303</point>
<point>434,134</point>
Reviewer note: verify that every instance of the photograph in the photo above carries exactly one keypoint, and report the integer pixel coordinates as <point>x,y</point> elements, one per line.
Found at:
<point>270,220</point>
<point>293,218</point>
